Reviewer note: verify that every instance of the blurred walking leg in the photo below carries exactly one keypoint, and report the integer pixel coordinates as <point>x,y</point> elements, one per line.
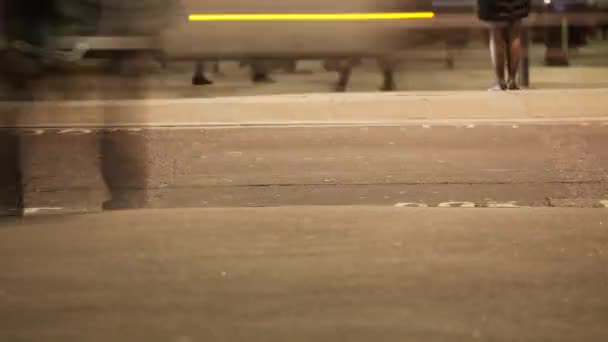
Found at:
<point>260,71</point>
<point>199,77</point>
<point>11,180</point>
<point>498,50</point>
<point>387,68</point>
<point>344,73</point>
<point>24,21</point>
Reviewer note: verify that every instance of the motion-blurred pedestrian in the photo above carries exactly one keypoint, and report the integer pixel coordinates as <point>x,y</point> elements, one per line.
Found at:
<point>344,68</point>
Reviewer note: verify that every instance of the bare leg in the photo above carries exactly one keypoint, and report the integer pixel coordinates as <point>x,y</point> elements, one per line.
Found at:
<point>449,58</point>
<point>387,66</point>
<point>514,33</point>
<point>216,68</point>
<point>498,50</point>
<point>344,72</point>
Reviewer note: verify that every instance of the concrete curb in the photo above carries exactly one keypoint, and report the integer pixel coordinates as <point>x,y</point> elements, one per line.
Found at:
<point>551,106</point>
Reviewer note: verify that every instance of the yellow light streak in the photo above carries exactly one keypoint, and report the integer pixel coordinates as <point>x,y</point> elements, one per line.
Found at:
<point>312,16</point>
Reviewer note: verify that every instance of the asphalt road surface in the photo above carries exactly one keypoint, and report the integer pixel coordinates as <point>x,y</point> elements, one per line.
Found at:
<point>338,254</point>
<point>307,274</point>
<point>484,165</point>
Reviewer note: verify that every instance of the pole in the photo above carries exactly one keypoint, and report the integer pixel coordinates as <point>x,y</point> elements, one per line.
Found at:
<point>565,37</point>
<point>524,74</point>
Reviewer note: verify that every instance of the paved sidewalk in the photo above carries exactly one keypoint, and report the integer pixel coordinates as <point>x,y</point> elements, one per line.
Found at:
<point>420,70</point>
<point>482,107</point>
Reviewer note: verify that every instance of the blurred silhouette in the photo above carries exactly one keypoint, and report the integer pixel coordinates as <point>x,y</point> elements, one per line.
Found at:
<point>344,68</point>
<point>27,57</point>
<point>21,21</point>
<point>557,44</point>
<point>11,183</point>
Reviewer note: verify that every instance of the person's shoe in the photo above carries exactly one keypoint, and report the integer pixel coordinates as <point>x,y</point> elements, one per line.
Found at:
<point>340,87</point>
<point>498,86</point>
<point>512,85</point>
<point>388,86</point>
<point>261,78</point>
<point>201,80</point>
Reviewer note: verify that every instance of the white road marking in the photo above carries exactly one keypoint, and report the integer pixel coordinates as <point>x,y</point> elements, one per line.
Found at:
<point>497,170</point>
<point>32,211</point>
<point>457,205</point>
<point>604,203</point>
<point>235,154</point>
<point>75,131</point>
<point>33,132</point>
<point>411,205</point>
<point>585,124</point>
<point>402,123</point>
<point>470,126</point>
<point>511,204</point>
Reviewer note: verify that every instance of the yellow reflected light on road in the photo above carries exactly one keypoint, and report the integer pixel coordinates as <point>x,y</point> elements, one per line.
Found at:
<point>312,16</point>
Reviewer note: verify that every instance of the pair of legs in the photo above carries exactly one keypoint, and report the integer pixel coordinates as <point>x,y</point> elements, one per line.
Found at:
<point>345,67</point>
<point>261,68</point>
<point>199,77</point>
<point>505,47</point>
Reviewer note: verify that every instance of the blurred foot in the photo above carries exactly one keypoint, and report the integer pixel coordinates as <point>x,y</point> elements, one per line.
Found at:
<point>391,86</point>
<point>450,64</point>
<point>340,88</point>
<point>201,80</point>
<point>498,86</point>
<point>512,85</point>
<point>262,78</point>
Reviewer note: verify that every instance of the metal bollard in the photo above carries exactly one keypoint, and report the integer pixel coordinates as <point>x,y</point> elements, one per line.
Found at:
<point>565,36</point>
<point>524,73</point>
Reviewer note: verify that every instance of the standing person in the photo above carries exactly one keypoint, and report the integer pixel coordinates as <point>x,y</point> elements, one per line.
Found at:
<point>505,18</point>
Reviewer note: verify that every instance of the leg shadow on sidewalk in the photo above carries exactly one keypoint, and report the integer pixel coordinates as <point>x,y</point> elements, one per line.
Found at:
<point>124,153</point>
